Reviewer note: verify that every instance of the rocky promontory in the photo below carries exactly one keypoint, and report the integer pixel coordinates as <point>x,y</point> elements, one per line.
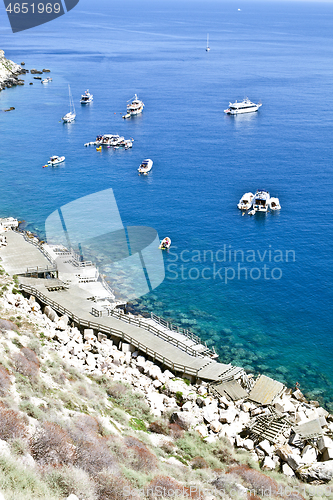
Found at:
<point>9,72</point>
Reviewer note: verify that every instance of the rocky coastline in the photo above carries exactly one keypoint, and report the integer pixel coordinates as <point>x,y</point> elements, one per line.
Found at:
<point>194,408</point>
<point>9,72</point>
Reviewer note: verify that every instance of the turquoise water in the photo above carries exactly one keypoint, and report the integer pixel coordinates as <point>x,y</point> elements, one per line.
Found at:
<point>279,53</point>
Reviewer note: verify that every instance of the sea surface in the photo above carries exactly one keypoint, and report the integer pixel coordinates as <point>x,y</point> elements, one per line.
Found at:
<point>275,320</point>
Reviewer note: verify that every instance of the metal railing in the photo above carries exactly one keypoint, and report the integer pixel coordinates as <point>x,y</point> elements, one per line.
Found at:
<point>182,331</point>
<point>176,367</point>
<point>141,323</point>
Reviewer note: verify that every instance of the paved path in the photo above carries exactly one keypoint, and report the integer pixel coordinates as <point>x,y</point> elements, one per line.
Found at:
<point>19,254</point>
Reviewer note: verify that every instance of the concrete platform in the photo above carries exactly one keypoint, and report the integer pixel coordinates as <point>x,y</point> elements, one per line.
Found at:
<point>19,254</point>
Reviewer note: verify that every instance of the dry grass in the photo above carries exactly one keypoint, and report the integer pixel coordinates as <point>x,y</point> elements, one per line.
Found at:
<point>26,363</point>
<point>256,481</point>
<point>139,456</point>
<point>12,425</point>
<point>114,487</point>
<point>52,445</point>
<point>4,381</point>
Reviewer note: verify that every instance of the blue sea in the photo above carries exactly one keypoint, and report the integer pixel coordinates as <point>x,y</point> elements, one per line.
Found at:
<point>275,320</point>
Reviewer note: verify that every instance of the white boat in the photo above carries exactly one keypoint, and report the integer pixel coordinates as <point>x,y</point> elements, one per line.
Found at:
<point>246,201</point>
<point>207,46</point>
<point>55,160</point>
<point>110,140</point>
<point>165,244</point>
<point>128,144</point>
<point>246,106</point>
<point>274,204</point>
<point>70,117</point>
<point>135,107</point>
<point>260,201</point>
<point>145,166</point>
<point>46,80</point>
<point>86,97</point>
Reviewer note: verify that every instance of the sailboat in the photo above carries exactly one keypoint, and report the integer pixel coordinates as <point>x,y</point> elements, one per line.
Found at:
<point>207,48</point>
<point>70,117</point>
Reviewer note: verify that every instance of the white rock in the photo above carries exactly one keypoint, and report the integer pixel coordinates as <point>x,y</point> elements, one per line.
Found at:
<point>216,426</point>
<point>327,454</point>
<point>50,313</point>
<point>210,413</point>
<point>268,464</point>
<point>27,460</point>
<point>309,455</point>
<point>266,447</point>
<point>187,406</point>
<point>228,416</point>
<point>317,472</point>
<point>88,335</point>
<point>202,430</point>
<point>248,444</point>
<point>323,443</point>
<point>72,497</point>
<point>91,360</point>
<point>4,449</point>
<point>1,496</point>
<point>185,419</point>
<point>287,470</point>
<point>294,461</point>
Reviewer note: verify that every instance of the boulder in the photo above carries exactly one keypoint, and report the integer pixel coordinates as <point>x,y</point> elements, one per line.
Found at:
<point>4,449</point>
<point>287,470</point>
<point>186,420</point>
<point>50,313</point>
<point>248,444</point>
<point>266,447</point>
<point>327,454</point>
<point>322,472</point>
<point>210,413</point>
<point>88,335</point>
<point>268,463</point>
<point>228,416</point>
<point>309,455</point>
<point>202,430</point>
<point>295,461</point>
<point>215,426</point>
<point>323,443</point>
<point>72,497</point>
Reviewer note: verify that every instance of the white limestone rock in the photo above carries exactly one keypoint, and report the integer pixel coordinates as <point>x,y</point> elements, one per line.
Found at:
<point>309,455</point>
<point>228,416</point>
<point>320,471</point>
<point>50,313</point>
<point>186,420</point>
<point>72,497</point>
<point>202,430</point>
<point>268,463</point>
<point>248,444</point>
<point>287,470</point>
<point>210,413</point>
<point>266,447</point>
<point>215,426</point>
<point>323,443</point>
<point>4,449</point>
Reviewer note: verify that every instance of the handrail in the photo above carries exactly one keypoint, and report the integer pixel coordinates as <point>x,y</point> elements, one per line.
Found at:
<point>186,370</point>
<point>187,333</point>
<point>171,340</point>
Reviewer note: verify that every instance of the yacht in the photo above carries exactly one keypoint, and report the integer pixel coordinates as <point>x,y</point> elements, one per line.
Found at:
<point>55,160</point>
<point>246,106</point>
<point>70,117</point>
<point>136,106</point>
<point>274,204</point>
<point>86,98</point>
<point>110,140</point>
<point>145,167</point>
<point>246,201</point>
<point>260,201</point>
<point>207,46</point>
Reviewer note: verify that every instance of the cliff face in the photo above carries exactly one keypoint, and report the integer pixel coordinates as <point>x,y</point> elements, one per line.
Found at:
<point>8,71</point>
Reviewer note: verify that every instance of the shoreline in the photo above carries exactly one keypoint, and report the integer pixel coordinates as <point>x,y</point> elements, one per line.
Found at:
<point>245,418</point>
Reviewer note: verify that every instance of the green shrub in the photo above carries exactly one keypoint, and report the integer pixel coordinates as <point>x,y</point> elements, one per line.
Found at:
<point>137,424</point>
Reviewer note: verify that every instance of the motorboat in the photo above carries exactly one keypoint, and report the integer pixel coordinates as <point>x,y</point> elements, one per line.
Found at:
<point>70,117</point>
<point>260,201</point>
<point>246,106</point>
<point>109,140</point>
<point>86,98</point>
<point>128,144</point>
<point>246,201</point>
<point>55,160</point>
<point>46,80</point>
<point>135,107</point>
<point>165,244</point>
<point>145,166</point>
<point>274,204</point>
<point>128,115</point>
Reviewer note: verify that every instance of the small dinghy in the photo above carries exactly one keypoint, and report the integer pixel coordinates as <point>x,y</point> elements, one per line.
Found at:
<point>274,204</point>
<point>145,167</point>
<point>55,160</point>
<point>165,244</point>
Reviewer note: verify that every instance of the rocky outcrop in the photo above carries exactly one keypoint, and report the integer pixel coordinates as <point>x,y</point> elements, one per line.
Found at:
<point>9,72</point>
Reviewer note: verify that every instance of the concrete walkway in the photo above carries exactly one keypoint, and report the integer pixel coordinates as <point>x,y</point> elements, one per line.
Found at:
<point>19,254</point>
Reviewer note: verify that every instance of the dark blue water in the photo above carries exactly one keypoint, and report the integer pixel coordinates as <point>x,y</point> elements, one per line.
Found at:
<point>281,53</point>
